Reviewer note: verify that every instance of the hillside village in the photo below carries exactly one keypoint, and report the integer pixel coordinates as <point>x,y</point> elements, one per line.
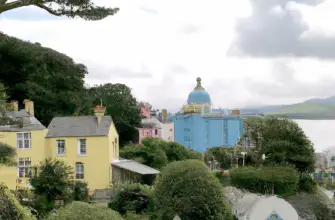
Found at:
<point>73,150</point>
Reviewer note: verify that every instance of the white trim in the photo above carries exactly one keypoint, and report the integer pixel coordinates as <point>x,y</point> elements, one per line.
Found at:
<point>57,154</point>
<point>79,146</point>
<point>23,140</point>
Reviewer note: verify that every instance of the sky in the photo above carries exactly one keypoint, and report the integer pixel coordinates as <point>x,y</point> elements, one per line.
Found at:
<point>247,52</point>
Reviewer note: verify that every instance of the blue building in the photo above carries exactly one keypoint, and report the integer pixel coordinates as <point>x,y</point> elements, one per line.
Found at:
<point>199,127</point>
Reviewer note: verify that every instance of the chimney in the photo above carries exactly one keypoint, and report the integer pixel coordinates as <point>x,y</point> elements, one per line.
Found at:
<point>14,105</point>
<point>29,107</point>
<point>99,112</point>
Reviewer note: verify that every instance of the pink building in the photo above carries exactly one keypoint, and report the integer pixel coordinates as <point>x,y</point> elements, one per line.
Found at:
<point>151,126</point>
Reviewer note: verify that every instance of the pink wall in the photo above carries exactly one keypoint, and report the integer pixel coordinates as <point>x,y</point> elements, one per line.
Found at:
<point>145,111</point>
<point>149,132</point>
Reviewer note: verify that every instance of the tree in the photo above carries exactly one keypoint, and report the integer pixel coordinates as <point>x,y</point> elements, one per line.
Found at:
<point>53,181</point>
<point>191,191</point>
<point>282,141</point>
<point>49,78</point>
<point>122,106</point>
<point>7,155</point>
<point>85,8</point>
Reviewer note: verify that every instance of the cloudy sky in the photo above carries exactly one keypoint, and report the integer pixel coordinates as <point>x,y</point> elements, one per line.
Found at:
<point>248,52</point>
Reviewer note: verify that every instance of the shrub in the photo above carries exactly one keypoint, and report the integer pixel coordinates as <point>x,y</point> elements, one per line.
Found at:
<point>283,179</point>
<point>80,192</point>
<point>84,211</point>
<point>307,184</point>
<point>189,189</point>
<point>10,208</point>
<point>223,178</point>
<point>132,197</point>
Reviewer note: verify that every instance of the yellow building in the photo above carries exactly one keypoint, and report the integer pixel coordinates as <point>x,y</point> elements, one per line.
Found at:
<point>27,136</point>
<point>88,143</point>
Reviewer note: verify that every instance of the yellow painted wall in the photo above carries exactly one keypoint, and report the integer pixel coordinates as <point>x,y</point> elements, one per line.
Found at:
<point>97,166</point>
<point>9,175</point>
<point>114,152</point>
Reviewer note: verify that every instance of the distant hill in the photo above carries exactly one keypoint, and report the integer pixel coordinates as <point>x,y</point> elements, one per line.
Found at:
<point>309,109</point>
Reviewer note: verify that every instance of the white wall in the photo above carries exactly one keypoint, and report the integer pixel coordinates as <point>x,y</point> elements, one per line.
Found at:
<point>168,132</point>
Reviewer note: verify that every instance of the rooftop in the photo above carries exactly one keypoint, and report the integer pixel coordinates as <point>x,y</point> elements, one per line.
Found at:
<point>81,126</point>
<point>29,123</point>
<point>135,167</point>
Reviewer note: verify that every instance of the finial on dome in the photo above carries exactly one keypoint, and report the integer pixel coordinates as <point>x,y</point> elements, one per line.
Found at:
<point>198,87</point>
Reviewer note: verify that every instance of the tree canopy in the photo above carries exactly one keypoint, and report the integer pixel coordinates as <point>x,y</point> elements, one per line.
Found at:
<point>7,155</point>
<point>282,141</point>
<point>85,9</point>
<point>191,191</point>
<point>122,106</point>
<point>49,78</point>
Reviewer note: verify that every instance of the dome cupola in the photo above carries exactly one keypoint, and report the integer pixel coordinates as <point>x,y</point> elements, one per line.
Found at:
<point>199,95</point>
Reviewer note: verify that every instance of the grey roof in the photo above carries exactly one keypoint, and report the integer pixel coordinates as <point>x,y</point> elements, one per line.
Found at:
<point>135,167</point>
<point>81,126</point>
<point>152,122</point>
<point>29,123</point>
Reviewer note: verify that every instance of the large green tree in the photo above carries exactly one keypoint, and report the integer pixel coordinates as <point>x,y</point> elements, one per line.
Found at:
<point>51,79</point>
<point>83,8</point>
<point>122,106</point>
<point>282,141</point>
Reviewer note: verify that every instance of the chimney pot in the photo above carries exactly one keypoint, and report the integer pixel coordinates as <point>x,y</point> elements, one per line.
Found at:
<point>99,112</point>
<point>29,107</point>
<point>15,105</point>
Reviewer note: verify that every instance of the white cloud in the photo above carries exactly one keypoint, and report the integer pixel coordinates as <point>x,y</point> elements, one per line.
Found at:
<point>167,44</point>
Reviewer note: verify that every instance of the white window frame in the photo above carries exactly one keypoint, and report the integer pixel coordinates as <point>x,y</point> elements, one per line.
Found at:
<point>23,140</point>
<point>80,170</point>
<point>26,167</point>
<point>57,147</point>
<point>79,147</point>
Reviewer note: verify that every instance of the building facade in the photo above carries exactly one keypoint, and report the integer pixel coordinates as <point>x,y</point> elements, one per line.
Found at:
<point>198,127</point>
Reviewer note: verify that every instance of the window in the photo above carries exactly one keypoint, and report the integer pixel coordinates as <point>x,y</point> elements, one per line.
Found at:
<point>24,167</point>
<point>116,148</point>
<point>156,131</point>
<point>171,129</point>
<point>60,147</point>
<point>79,170</point>
<point>81,147</point>
<point>23,140</point>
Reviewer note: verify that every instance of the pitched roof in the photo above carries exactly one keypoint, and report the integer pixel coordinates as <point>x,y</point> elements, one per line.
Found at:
<point>29,123</point>
<point>135,167</point>
<point>81,126</point>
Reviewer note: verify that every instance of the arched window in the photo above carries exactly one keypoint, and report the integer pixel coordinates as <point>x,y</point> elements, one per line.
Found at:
<point>116,148</point>
<point>274,216</point>
<point>79,170</point>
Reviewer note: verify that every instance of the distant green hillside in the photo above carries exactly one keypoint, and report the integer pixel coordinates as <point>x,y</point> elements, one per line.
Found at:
<point>306,109</point>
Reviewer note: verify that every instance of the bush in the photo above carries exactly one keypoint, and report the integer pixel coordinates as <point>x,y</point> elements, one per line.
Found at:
<point>283,179</point>
<point>132,197</point>
<point>189,189</point>
<point>80,192</point>
<point>223,178</point>
<point>307,184</point>
<point>84,211</point>
<point>10,208</point>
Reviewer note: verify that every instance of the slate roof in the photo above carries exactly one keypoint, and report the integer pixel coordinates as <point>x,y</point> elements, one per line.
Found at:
<point>81,126</point>
<point>30,122</point>
<point>135,167</point>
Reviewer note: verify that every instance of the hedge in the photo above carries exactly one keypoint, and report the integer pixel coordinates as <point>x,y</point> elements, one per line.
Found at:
<point>132,198</point>
<point>10,208</point>
<point>191,191</point>
<point>283,179</point>
<point>84,211</point>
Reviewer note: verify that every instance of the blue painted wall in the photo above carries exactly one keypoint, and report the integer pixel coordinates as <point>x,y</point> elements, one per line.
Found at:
<point>198,133</point>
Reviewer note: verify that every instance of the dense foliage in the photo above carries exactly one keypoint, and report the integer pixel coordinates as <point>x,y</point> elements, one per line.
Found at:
<point>282,141</point>
<point>10,208</point>
<point>122,106</point>
<point>85,8</point>
<point>7,155</point>
<point>132,198</point>
<point>54,180</point>
<point>51,79</point>
<point>80,192</point>
<point>157,153</point>
<point>56,85</point>
<point>84,211</point>
<point>280,180</point>
<point>189,189</point>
